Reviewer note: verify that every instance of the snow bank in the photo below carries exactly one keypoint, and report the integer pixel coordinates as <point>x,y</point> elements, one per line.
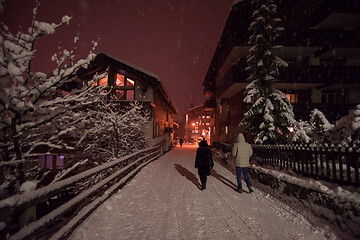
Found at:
<point>28,186</point>
<point>338,206</point>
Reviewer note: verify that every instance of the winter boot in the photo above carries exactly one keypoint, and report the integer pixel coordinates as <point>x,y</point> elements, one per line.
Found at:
<point>250,190</point>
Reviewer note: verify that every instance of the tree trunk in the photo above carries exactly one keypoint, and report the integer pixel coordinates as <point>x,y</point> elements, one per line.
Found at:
<point>20,166</point>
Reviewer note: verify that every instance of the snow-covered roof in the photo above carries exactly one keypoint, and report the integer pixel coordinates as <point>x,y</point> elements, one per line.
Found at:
<point>131,65</point>
<point>237,1</point>
<point>144,71</point>
<point>196,107</point>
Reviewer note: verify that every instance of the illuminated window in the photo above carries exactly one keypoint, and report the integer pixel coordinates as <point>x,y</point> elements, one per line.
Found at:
<point>293,97</point>
<point>120,80</point>
<point>130,95</point>
<point>104,81</point>
<point>130,82</point>
<point>51,161</point>
<point>101,82</point>
<point>125,88</point>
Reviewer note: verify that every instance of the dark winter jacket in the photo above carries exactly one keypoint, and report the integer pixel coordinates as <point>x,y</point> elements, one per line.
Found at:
<point>203,160</point>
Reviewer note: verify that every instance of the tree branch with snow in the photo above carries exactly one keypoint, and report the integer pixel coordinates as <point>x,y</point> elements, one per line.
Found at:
<point>31,102</point>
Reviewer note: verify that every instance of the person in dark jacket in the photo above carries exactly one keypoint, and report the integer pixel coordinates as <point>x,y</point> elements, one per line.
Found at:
<point>203,162</point>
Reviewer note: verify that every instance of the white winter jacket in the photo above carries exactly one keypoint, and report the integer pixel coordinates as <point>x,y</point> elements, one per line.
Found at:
<point>242,151</point>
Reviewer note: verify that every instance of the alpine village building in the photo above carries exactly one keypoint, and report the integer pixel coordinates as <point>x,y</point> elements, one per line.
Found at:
<point>129,82</point>
<point>195,124</point>
<point>320,43</point>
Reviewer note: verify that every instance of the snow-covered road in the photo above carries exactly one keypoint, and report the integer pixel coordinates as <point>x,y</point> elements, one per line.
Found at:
<point>163,201</point>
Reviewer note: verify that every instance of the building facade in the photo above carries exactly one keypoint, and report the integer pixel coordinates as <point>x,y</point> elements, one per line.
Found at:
<point>320,43</point>
<point>128,82</point>
<point>196,124</point>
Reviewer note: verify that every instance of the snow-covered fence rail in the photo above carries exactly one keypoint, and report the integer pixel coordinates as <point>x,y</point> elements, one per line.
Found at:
<point>109,178</point>
<point>338,165</point>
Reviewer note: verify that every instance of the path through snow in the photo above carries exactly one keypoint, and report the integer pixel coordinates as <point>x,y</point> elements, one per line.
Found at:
<point>163,201</point>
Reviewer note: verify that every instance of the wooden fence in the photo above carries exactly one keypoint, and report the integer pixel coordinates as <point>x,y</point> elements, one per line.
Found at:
<point>338,165</point>
<point>102,182</point>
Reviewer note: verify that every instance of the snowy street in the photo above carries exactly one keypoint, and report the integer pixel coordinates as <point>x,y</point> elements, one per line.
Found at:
<point>164,201</point>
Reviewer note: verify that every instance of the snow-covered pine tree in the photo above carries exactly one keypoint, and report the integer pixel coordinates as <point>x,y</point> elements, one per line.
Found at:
<point>270,113</point>
<point>29,101</point>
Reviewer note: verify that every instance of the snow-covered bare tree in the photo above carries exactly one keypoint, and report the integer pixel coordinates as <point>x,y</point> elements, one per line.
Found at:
<point>105,131</point>
<point>31,101</point>
<point>112,130</point>
<point>270,113</point>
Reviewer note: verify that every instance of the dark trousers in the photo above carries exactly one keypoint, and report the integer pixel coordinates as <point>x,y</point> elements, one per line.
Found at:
<point>244,170</point>
<point>203,178</point>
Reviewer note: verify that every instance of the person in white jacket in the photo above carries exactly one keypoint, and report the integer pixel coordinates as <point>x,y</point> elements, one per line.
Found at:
<point>242,151</point>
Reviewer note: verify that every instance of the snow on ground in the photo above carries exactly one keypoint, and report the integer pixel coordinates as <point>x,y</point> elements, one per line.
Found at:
<point>164,201</point>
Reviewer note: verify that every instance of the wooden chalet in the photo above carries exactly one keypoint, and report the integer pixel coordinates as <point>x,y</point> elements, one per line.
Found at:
<point>128,82</point>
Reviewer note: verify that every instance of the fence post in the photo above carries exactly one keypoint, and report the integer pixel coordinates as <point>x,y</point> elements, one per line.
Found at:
<point>307,160</point>
<point>356,167</point>
<point>303,155</point>
<point>317,158</point>
<point>286,154</point>
<point>334,164</point>
<point>327,163</point>
<point>321,161</point>
<point>348,155</point>
<point>296,154</point>
<point>341,154</point>
<point>279,156</point>
<point>293,155</point>
<point>311,162</point>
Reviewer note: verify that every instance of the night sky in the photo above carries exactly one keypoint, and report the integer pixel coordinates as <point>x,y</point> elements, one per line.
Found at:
<point>174,39</point>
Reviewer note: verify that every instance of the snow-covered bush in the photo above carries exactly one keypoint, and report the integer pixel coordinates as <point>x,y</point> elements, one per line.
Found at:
<point>270,113</point>
<point>301,132</point>
<point>30,102</point>
<point>346,131</point>
<point>320,127</point>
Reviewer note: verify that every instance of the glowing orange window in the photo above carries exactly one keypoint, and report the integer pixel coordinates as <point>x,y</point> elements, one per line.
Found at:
<point>104,81</point>
<point>130,82</point>
<point>120,80</point>
<point>293,97</point>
